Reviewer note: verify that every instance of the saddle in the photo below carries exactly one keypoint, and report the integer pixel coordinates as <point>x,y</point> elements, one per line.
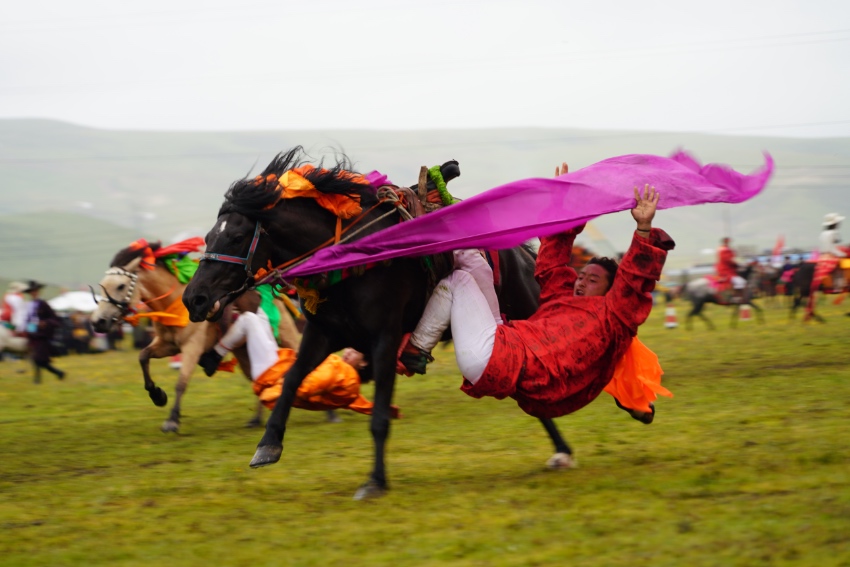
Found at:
<point>424,196</point>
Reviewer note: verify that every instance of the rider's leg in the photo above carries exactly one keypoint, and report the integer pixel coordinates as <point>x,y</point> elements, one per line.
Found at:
<point>459,302</point>
<point>472,261</point>
<point>253,331</point>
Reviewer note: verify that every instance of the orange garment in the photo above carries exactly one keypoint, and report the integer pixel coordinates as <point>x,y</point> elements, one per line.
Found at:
<point>333,384</point>
<point>637,378</point>
<point>175,315</point>
<point>294,184</point>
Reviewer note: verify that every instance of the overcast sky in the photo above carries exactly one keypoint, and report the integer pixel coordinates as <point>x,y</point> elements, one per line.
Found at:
<point>775,67</point>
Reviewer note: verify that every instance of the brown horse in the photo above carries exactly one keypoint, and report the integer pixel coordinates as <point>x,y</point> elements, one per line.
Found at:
<point>133,279</point>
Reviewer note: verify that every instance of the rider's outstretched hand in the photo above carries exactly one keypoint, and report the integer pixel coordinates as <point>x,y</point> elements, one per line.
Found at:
<point>645,206</point>
<point>561,169</point>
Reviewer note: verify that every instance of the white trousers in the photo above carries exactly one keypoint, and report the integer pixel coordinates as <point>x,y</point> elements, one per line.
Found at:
<point>254,331</point>
<point>466,300</point>
<point>738,282</point>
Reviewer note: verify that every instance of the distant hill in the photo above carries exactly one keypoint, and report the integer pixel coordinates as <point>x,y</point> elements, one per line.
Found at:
<point>68,249</point>
<point>170,184</point>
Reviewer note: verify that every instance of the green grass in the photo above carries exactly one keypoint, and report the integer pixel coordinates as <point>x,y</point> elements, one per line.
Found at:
<point>747,465</point>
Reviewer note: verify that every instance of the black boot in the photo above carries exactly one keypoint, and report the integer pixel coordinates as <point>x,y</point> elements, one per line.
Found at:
<point>209,361</point>
<point>415,359</point>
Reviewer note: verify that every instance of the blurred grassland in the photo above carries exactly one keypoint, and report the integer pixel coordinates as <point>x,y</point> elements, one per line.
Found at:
<point>747,465</point>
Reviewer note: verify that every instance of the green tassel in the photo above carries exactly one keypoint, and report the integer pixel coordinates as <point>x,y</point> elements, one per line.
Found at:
<point>437,177</point>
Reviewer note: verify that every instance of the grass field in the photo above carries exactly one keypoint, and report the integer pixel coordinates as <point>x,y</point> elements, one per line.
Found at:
<point>747,465</point>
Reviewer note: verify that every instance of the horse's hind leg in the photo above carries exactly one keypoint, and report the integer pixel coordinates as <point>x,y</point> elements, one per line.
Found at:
<point>189,359</point>
<point>563,457</point>
<point>383,360</point>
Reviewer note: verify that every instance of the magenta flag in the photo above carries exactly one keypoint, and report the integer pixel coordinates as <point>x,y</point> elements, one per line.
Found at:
<point>510,214</point>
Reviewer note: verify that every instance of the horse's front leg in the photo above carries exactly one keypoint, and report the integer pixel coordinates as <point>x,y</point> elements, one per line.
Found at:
<point>563,457</point>
<point>157,349</point>
<point>383,366</point>
<point>315,347</point>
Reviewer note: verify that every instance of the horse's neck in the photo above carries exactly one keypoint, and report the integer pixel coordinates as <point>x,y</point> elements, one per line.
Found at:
<point>158,288</point>
<point>304,227</point>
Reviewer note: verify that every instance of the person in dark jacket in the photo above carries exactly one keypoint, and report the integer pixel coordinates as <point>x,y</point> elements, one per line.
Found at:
<point>41,322</point>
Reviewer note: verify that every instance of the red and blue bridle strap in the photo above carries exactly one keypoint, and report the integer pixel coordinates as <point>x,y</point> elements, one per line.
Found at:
<point>246,261</point>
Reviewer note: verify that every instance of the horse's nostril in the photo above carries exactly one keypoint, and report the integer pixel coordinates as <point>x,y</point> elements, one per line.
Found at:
<point>199,301</point>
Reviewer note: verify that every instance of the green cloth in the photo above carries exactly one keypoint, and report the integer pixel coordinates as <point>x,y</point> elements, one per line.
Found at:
<point>436,176</point>
<point>267,296</point>
<point>184,267</point>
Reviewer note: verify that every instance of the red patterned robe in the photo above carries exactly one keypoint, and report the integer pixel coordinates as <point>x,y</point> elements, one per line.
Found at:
<point>561,358</point>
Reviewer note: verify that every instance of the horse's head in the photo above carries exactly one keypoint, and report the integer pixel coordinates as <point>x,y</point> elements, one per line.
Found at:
<point>234,252</point>
<point>266,219</point>
<point>119,287</point>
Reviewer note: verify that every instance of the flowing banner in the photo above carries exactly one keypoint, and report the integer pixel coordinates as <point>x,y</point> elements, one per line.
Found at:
<point>510,214</point>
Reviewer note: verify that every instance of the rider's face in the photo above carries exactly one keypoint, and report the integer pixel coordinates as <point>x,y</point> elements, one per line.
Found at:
<point>593,280</point>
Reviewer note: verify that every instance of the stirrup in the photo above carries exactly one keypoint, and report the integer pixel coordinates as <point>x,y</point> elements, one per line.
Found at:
<point>415,362</point>
<point>209,361</point>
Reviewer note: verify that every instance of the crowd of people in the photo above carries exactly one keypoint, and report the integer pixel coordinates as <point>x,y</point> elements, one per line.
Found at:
<point>30,320</point>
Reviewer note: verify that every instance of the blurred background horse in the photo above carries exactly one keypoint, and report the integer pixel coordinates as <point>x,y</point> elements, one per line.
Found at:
<point>703,291</point>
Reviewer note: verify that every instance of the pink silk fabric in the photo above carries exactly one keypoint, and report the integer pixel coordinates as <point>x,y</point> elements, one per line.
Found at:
<point>510,214</point>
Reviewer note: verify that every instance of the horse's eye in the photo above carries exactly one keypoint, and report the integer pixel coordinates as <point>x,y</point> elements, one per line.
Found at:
<point>121,287</point>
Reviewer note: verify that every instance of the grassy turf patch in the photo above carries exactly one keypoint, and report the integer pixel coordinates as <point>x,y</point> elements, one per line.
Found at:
<point>747,465</point>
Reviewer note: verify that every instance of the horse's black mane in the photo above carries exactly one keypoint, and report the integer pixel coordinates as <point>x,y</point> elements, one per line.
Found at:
<point>249,197</point>
<point>127,255</point>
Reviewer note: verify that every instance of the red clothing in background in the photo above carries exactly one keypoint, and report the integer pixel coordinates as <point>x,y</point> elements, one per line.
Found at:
<point>726,266</point>
<point>562,357</point>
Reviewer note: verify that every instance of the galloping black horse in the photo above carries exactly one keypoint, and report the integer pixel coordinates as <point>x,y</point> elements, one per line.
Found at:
<point>369,312</point>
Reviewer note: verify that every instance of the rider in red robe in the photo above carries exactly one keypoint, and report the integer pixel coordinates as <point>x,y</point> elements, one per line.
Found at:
<point>563,356</point>
<point>729,282</point>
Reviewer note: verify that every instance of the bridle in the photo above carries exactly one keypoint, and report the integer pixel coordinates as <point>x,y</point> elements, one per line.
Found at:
<point>123,305</point>
<point>246,261</point>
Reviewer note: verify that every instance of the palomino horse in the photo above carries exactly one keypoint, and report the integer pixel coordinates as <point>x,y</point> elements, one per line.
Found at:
<point>369,312</point>
<point>137,276</point>
<point>701,292</point>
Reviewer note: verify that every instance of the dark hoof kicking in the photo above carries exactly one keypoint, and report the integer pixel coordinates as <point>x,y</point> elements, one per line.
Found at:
<point>266,455</point>
<point>369,490</point>
<point>158,396</point>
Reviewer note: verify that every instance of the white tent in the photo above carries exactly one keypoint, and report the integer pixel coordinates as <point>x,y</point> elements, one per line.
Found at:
<point>74,301</point>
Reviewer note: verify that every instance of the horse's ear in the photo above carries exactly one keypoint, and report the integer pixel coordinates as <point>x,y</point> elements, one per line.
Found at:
<point>133,265</point>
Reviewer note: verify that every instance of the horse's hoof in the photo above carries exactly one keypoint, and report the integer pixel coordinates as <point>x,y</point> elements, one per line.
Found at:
<point>266,455</point>
<point>369,491</point>
<point>560,461</point>
<point>170,426</point>
<point>158,396</point>
<point>253,423</point>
